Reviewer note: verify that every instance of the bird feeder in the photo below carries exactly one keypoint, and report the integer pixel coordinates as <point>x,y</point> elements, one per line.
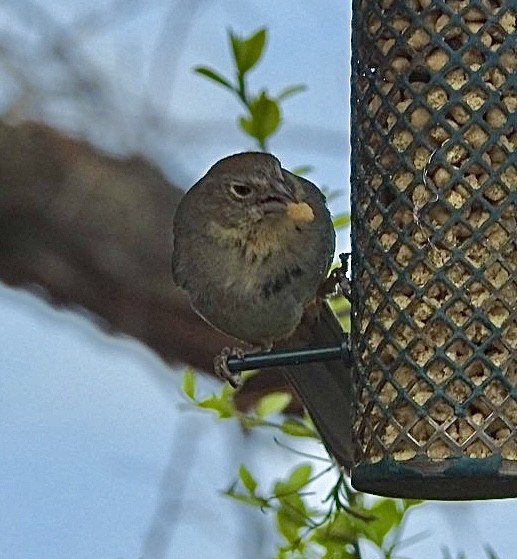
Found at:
<point>434,247</point>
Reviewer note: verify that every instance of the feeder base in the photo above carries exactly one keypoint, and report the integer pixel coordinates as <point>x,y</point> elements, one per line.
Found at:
<point>451,479</point>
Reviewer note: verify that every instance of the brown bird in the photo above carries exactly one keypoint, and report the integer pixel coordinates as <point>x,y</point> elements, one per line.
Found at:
<point>253,245</point>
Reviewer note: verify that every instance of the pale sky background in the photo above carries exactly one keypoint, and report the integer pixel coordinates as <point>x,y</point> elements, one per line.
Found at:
<point>94,428</point>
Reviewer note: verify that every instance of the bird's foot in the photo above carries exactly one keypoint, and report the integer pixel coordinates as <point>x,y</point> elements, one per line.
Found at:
<point>343,285</point>
<point>337,283</point>
<point>221,368</point>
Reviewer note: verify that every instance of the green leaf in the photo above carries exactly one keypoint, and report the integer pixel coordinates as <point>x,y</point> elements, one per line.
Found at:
<point>249,500</point>
<point>409,503</point>
<point>341,221</point>
<point>297,429</point>
<point>302,170</point>
<point>247,479</point>
<point>248,50</point>
<point>250,422</point>
<point>291,90</point>
<point>189,384</point>
<point>213,75</point>
<point>291,517</point>
<point>224,407</point>
<point>248,126</point>
<point>340,305</point>
<point>275,402</point>
<point>338,538</point>
<point>264,118</point>
<point>287,526</point>
<point>298,478</point>
<point>388,516</point>
<point>339,531</point>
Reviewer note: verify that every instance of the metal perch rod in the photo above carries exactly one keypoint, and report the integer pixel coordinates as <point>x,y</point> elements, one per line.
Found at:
<point>284,357</point>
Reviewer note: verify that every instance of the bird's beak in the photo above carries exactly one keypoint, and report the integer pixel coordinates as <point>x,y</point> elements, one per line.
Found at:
<point>277,199</point>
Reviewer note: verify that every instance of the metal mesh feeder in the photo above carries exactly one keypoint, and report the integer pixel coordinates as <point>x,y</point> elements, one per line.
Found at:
<point>434,247</point>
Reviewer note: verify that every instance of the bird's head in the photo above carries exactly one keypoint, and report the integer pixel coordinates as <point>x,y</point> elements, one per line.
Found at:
<point>247,188</point>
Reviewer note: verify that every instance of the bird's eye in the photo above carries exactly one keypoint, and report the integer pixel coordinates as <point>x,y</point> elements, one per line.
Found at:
<point>240,190</point>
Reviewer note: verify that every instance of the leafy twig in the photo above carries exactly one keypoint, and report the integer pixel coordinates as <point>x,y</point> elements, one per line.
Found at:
<point>263,111</point>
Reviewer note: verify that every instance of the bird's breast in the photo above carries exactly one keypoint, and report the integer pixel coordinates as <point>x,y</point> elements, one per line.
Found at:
<point>258,241</point>
<point>271,259</point>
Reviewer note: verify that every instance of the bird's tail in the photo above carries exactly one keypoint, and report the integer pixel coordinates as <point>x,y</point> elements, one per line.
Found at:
<point>325,388</point>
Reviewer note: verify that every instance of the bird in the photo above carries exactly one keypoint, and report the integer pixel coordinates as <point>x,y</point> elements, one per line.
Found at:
<point>252,246</point>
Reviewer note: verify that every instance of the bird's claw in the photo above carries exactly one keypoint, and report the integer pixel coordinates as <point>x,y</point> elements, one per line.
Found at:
<point>337,283</point>
<point>343,284</point>
<point>221,368</point>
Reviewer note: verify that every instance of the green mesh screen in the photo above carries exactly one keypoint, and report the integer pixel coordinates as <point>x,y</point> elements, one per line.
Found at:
<point>434,245</point>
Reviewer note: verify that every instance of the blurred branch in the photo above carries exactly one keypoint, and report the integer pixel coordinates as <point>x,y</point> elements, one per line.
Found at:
<point>94,232</point>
